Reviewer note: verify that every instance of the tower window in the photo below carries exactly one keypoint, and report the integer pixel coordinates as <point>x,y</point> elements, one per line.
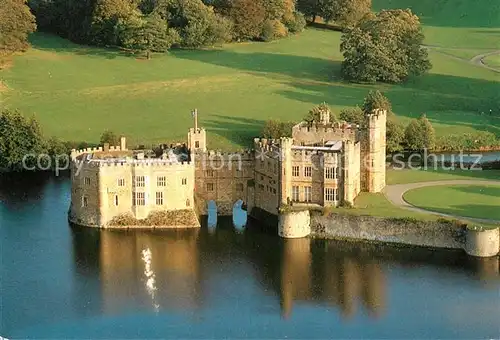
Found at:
<point>308,194</point>
<point>295,171</point>
<point>295,193</point>
<point>121,182</point>
<point>210,187</point>
<point>116,200</point>
<point>161,181</point>
<point>139,181</point>
<point>159,198</point>
<point>86,180</point>
<point>85,201</point>
<point>308,171</point>
<point>184,181</point>
<point>138,198</point>
<point>197,144</point>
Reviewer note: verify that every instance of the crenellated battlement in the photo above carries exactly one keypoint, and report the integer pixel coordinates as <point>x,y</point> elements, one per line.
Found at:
<point>227,156</point>
<point>197,131</point>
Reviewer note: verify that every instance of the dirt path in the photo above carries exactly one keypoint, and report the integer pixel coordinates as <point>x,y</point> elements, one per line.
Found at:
<point>394,194</point>
<point>479,60</point>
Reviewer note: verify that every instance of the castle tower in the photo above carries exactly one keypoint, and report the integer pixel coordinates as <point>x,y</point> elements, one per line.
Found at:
<point>197,137</point>
<point>373,152</point>
<point>324,117</point>
<point>285,177</point>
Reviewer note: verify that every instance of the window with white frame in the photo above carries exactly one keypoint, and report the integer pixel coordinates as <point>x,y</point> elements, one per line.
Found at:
<point>159,198</point>
<point>331,173</point>
<point>139,181</point>
<point>121,182</point>
<point>308,194</point>
<point>308,171</point>
<point>295,193</point>
<point>330,194</point>
<point>161,181</point>
<point>138,198</point>
<point>295,171</point>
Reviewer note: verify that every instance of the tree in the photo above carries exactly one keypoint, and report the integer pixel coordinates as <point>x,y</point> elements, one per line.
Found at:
<point>395,135</point>
<point>20,139</point>
<point>314,115</point>
<point>354,115</point>
<point>386,46</point>
<point>275,129</point>
<point>248,17</point>
<point>150,34</point>
<point>197,23</point>
<point>420,135</point>
<point>347,13</point>
<point>109,137</point>
<point>16,22</point>
<point>375,100</point>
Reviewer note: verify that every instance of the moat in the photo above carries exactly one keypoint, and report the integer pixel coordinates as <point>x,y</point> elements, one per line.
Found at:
<point>59,281</point>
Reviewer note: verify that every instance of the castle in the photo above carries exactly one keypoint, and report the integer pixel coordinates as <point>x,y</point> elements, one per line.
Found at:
<point>323,164</point>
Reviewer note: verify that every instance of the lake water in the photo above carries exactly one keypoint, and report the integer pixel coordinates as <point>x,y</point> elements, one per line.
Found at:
<point>63,282</point>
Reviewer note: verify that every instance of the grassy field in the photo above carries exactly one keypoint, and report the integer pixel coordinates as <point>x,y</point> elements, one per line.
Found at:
<point>461,200</point>
<point>414,176</point>
<point>77,91</point>
<point>493,61</point>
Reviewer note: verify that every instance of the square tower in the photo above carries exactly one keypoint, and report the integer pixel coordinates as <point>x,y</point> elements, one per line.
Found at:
<point>197,137</point>
<point>373,152</point>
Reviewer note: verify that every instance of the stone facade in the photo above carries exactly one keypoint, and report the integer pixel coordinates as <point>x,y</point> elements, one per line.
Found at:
<point>323,164</point>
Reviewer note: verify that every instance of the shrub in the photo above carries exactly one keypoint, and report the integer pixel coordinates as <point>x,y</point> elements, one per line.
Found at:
<point>419,134</point>
<point>273,29</point>
<point>296,24</point>
<point>109,137</point>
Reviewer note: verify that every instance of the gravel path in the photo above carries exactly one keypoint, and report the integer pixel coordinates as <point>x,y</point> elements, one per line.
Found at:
<point>477,60</point>
<point>394,194</point>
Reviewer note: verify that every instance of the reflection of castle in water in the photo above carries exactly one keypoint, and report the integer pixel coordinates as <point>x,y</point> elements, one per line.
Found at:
<point>344,281</point>
<point>172,270</point>
<point>157,270</point>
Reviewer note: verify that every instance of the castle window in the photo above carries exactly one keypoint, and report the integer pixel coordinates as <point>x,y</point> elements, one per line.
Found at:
<point>197,144</point>
<point>159,198</point>
<point>209,173</point>
<point>274,191</point>
<point>330,194</point>
<point>261,177</point>
<point>308,171</point>
<point>295,193</point>
<point>138,198</point>
<point>85,201</point>
<point>188,203</point>
<point>295,171</point>
<point>116,200</point>
<point>86,180</point>
<point>139,181</point>
<point>239,186</point>
<point>331,173</point>
<point>184,181</point>
<point>210,187</point>
<point>161,181</point>
<point>121,182</point>
<point>308,194</point>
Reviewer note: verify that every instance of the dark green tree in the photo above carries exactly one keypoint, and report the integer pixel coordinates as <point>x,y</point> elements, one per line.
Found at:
<point>248,17</point>
<point>276,129</point>
<point>354,115</point>
<point>21,140</point>
<point>16,23</point>
<point>314,114</point>
<point>375,100</point>
<point>386,46</point>
<point>109,137</point>
<point>420,135</point>
<point>395,135</point>
<point>150,34</point>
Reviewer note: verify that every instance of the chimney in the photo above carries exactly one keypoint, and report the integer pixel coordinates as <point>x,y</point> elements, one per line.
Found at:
<point>106,147</point>
<point>123,143</point>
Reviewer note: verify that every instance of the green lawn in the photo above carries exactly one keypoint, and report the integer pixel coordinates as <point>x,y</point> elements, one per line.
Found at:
<point>493,61</point>
<point>413,176</point>
<point>461,200</point>
<point>77,91</point>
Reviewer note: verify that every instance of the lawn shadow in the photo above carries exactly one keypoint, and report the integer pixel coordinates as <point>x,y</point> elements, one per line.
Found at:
<point>481,190</point>
<point>295,66</point>
<point>238,130</point>
<point>480,211</point>
<point>52,43</point>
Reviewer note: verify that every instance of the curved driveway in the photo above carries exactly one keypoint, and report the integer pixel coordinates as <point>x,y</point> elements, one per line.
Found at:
<point>394,194</point>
